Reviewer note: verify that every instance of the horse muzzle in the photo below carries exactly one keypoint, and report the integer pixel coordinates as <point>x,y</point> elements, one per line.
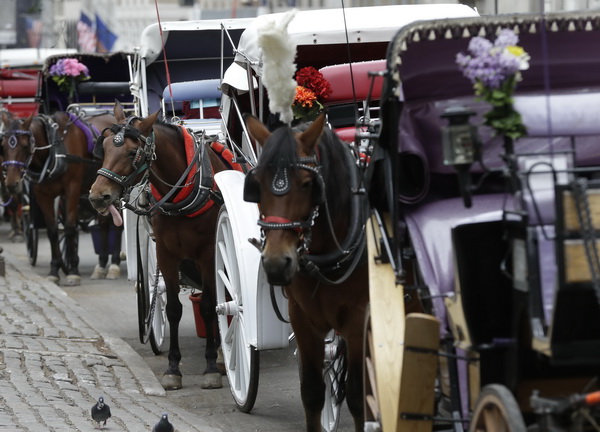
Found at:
<point>280,269</point>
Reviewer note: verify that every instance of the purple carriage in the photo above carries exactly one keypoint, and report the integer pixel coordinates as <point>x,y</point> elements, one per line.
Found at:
<point>484,266</point>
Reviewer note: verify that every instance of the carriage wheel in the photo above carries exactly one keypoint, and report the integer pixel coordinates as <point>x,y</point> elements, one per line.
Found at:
<point>496,410</point>
<point>29,230</point>
<point>241,358</point>
<point>334,360</point>
<point>371,403</point>
<point>60,219</point>
<point>159,317</point>
<point>145,296</point>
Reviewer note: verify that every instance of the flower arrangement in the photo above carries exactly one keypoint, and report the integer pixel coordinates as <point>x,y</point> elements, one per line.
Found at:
<point>495,69</point>
<point>311,92</point>
<point>67,72</point>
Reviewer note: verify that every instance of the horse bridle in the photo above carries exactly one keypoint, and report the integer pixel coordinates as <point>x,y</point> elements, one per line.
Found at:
<point>143,158</point>
<point>12,143</point>
<point>349,251</point>
<point>280,185</point>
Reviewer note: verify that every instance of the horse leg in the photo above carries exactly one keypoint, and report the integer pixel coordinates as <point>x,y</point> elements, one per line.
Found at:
<point>56,262</point>
<point>16,219</point>
<point>72,255</point>
<point>212,374</point>
<point>171,379</point>
<point>354,381</point>
<point>311,350</point>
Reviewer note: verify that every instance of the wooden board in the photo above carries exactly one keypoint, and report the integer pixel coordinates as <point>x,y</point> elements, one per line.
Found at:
<point>405,379</point>
<point>387,328</point>
<point>419,370</point>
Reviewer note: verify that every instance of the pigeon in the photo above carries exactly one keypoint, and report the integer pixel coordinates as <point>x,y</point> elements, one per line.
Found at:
<point>163,425</point>
<point>101,412</point>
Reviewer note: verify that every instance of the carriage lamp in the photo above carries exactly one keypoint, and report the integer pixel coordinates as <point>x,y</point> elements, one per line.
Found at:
<point>460,146</point>
<point>459,138</point>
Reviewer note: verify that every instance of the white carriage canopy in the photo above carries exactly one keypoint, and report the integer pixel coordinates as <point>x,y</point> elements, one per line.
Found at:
<point>195,50</point>
<point>344,35</point>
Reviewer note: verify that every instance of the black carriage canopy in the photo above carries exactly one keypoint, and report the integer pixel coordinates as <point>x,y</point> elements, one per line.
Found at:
<point>109,80</point>
<point>563,69</point>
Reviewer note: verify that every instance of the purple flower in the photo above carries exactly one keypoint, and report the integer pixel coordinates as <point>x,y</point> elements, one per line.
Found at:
<point>491,64</point>
<point>506,38</point>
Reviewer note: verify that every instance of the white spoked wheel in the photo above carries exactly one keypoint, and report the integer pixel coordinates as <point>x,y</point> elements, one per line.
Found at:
<point>159,317</point>
<point>241,358</point>
<point>332,367</point>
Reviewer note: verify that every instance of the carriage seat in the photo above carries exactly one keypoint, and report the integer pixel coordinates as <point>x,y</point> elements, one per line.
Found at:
<point>340,104</point>
<point>198,100</point>
<point>430,226</point>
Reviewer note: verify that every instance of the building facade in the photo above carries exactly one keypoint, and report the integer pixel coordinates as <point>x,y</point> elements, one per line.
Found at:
<point>53,23</point>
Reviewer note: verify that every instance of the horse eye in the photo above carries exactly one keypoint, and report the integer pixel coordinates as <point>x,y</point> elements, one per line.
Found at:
<point>308,184</point>
<point>132,153</point>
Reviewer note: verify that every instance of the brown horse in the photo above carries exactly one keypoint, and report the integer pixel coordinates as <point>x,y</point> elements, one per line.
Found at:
<point>312,216</point>
<point>184,210</point>
<point>55,154</point>
<point>11,199</point>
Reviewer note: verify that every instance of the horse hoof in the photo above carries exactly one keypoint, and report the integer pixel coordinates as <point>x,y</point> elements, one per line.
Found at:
<point>171,382</point>
<point>212,381</point>
<point>73,280</point>
<point>53,279</point>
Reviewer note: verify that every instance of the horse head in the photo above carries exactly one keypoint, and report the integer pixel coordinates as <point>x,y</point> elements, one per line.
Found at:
<point>124,149</point>
<point>288,185</point>
<point>16,150</point>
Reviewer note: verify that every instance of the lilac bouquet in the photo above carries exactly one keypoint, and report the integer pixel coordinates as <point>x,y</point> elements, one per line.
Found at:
<point>67,72</point>
<point>495,69</point>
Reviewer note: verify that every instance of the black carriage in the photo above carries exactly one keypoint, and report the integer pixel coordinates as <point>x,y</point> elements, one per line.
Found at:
<point>483,248</point>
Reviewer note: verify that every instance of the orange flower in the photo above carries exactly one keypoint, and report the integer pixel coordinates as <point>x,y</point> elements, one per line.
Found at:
<point>305,97</point>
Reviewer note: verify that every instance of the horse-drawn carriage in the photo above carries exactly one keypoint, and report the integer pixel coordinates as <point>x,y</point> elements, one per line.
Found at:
<point>345,45</point>
<point>483,260</point>
<point>176,71</point>
<point>50,155</point>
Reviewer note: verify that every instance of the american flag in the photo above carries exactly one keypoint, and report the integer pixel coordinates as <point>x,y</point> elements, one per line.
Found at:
<point>34,27</point>
<point>86,34</point>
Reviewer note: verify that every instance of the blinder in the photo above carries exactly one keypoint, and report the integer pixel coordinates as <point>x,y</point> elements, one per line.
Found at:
<point>280,184</point>
<point>120,132</point>
<point>251,187</point>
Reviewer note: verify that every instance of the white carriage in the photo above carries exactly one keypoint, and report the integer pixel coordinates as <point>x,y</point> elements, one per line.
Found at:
<point>180,61</point>
<point>323,38</point>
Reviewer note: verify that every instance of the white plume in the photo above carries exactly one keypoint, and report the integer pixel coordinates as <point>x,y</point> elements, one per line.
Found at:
<point>279,66</point>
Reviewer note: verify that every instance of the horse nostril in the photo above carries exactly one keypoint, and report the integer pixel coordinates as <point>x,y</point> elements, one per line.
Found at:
<point>107,197</point>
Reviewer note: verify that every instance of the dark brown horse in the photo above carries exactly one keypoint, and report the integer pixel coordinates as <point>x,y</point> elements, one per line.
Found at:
<point>312,215</point>
<point>55,154</point>
<point>183,207</point>
<point>11,199</point>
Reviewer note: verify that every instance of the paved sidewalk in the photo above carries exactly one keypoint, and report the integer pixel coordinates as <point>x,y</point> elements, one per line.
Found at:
<point>54,365</point>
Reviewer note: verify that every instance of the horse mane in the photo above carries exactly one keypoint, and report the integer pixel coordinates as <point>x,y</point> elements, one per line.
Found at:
<point>167,126</point>
<point>282,152</point>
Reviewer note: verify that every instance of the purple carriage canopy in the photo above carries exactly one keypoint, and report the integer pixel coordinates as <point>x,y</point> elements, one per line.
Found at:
<point>558,98</point>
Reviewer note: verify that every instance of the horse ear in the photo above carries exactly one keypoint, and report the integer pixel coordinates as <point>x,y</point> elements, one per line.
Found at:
<point>147,124</point>
<point>118,111</point>
<point>5,119</point>
<point>310,137</point>
<point>257,130</point>
<point>27,122</point>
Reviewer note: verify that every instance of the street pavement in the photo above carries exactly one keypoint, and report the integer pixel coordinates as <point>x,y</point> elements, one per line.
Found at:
<point>55,363</point>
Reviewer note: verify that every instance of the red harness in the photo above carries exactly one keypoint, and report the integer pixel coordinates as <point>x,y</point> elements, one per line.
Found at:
<point>190,150</point>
